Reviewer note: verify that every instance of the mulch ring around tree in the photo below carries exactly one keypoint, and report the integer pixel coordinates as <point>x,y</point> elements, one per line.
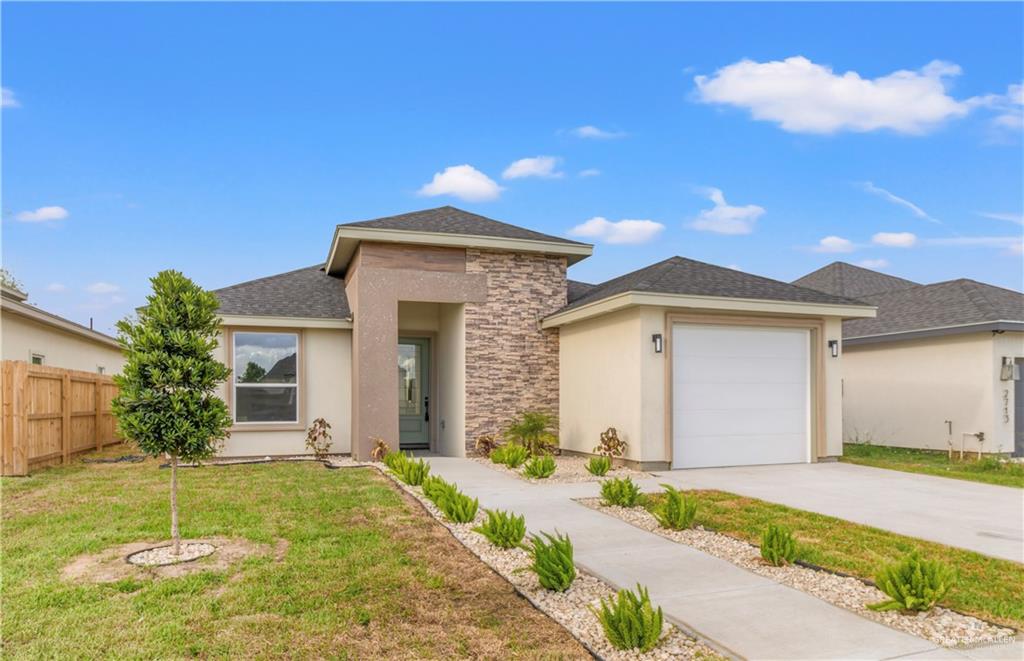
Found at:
<point>113,564</point>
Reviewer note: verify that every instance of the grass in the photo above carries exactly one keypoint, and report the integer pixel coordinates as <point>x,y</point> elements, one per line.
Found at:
<point>366,574</point>
<point>989,469</point>
<point>989,588</point>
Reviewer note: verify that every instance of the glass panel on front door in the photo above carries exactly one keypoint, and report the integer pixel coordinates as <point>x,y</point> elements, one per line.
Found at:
<point>414,392</point>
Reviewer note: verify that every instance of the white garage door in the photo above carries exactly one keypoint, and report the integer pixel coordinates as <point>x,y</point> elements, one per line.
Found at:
<point>740,395</point>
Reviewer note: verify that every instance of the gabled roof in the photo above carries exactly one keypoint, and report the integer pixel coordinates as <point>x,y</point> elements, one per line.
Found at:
<point>11,305</point>
<point>306,292</point>
<point>842,279</point>
<point>678,275</point>
<point>954,306</point>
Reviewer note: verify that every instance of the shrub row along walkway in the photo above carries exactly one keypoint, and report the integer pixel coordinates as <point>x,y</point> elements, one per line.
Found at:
<point>740,612</point>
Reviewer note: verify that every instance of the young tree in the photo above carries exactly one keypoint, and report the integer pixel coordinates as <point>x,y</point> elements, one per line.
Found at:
<point>166,402</point>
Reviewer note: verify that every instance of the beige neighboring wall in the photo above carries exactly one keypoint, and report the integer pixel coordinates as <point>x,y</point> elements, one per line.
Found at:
<point>325,392</point>
<point>902,393</point>
<point>21,337</point>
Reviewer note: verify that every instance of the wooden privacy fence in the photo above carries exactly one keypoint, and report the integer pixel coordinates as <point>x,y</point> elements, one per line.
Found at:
<point>51,414</point>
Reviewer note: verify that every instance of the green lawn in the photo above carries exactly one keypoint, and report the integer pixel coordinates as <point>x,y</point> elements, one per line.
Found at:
<point>989,588</point>
<point>366,574</point>
<point>931,462</point>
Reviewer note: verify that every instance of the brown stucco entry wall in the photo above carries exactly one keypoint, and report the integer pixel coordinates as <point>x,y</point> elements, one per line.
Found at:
<point>375,284</point>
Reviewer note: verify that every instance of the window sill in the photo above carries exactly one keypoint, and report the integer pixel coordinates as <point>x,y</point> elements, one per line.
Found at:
<point>266,426</point>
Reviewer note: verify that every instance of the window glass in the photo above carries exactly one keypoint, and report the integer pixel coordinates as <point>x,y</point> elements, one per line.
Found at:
<point>37,358</point>
<point>265,377</point>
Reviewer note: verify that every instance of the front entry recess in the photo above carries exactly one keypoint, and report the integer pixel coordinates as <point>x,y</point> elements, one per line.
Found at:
<point>413,393</point>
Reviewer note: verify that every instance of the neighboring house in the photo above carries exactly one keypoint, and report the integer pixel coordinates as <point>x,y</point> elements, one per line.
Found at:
<point>430,329</point>
<point>938,367</point>
<point>36,336</point>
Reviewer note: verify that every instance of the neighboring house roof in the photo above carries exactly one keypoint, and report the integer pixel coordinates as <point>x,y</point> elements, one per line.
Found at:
<point>283,371</point>
<point>577,289</point>
<point>842,279</point>
<point>12,305</point>
<point>678,275</point>
<point>451,220</point>
<point>306,292</point>
<point>945,307</point>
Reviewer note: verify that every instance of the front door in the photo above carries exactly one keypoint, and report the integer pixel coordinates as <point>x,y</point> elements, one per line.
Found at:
<point>413,393</point>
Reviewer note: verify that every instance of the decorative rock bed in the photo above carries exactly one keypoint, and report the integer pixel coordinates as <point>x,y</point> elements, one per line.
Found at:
<point>569,468</point>
<point>569,608</point>
<point>164,555</point>
<point>941,626</point>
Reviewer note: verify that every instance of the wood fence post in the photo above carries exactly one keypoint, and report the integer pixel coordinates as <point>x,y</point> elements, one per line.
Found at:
<point>19,415</point>
<point>6,426</point>
<point>65,418</point>
<point>98,395</point>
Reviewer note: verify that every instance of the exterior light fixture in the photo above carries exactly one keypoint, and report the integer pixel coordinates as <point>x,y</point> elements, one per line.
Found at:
<point>833,348</point>
<point>658,342</point>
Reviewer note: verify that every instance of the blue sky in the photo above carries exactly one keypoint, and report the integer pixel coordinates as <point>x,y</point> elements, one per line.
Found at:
<point>227,140</point>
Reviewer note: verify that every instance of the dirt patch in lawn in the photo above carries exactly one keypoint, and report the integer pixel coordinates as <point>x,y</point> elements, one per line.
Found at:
<point>111,565</point>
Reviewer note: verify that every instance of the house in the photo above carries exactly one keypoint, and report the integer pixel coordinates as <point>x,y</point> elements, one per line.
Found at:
<point>38,337</point>
<point>938,367</point>
<point>432,328</point>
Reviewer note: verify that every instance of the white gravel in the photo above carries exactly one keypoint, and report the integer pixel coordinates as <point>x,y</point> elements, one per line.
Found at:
<point>941,625</point>
<point>568,608</point>
<point>569,468</point>
<point>164,555</point>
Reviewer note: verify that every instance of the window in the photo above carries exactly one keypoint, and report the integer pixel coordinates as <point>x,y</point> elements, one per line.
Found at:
<point>265,377</point>
<point>38,358</point>
<point>100,369</point>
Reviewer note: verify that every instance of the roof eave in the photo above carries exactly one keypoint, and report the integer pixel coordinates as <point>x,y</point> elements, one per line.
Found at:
<point>960,329</point>
<point>687,301</point>
<point>347,238</point>
<point>43,317</point>
<point>273,321</point>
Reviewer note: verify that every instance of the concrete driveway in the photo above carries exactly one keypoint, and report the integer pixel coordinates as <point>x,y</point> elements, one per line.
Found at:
<point>985,518</point>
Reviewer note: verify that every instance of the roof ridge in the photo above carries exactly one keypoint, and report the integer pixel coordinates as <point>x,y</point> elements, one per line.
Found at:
<point>268,277</point>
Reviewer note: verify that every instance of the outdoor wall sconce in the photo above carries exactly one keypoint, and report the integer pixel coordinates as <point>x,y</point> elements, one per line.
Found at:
<point>833,348</point>
<point>658,342</point>
<point>1010,370</point>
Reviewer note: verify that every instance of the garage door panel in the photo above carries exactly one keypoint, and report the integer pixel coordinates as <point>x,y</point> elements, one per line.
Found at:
<point>740,395</point>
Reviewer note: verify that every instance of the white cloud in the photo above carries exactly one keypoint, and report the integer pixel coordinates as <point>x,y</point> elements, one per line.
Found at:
<point>464,182</point>
<point>894,239</point>
<point>835,244</point>
<point>590,172</point>
<point>102,288</point>
<point>989,241</point>
<point>1009,108</point>
<point>43,214</point>
<point>726,219</point>
<point>898,201</point>
<point>1008,217</point>
<point>538,166</point>
<point>619,232</point>
<point>805,97</point>
<point>873,263</point>
<point>594,133</point>
<point>56,287</point>
<point>7,98</point>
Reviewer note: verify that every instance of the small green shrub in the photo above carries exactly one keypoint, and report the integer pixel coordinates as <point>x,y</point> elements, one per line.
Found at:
<point>458,507</point>
<point>498,454</point>
<point>437,488</point>
<point>532,430</point>
<point>540,467</point>
<point>778,546</point>
<point>630,621</point>
<point>413,472</point>
<point>678,511</point>
<point>599,465</point>
<point>393,459</point>
<point>913,584</point>
<point>514,455</point>
<point>503,529</point>
<point>552,561</point>
<point>621,491</point>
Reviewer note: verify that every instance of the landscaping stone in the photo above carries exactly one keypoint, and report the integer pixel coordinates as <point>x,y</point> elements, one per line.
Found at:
<point>164,555</point>
<point>569,468</point>
<point>941,625</point>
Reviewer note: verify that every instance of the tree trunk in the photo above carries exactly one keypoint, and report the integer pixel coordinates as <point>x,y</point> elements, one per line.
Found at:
<point>175,535</point>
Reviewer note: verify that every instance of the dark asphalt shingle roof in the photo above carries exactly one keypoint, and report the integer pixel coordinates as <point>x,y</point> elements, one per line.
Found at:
<point>842,279</point>
<point>307,292</point>
<point>678,275</point>
<point>577,289</point>
<point>943,304</point>
<point>450,220</point>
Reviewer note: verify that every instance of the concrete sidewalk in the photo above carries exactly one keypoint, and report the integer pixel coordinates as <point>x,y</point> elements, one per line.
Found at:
<point>979,517</point>
<point>739,612</point>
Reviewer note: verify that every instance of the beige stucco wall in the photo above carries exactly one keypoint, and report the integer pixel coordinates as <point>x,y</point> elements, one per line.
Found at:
<point>21,337</point>
<point>612,377</point>
<point>451,368</point>
<point>901,393</point>
<point>326,392</point>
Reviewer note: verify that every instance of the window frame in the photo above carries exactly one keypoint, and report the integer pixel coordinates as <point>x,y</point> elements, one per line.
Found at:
<point>299,385</point>
<point>32,358</point>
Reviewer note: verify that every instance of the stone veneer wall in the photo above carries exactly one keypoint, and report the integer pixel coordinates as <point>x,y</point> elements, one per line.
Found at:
<point>511,363</point>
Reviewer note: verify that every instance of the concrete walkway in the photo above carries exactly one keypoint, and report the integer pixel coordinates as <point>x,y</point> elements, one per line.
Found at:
<point>742,613</point>
<point>985,518</point>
